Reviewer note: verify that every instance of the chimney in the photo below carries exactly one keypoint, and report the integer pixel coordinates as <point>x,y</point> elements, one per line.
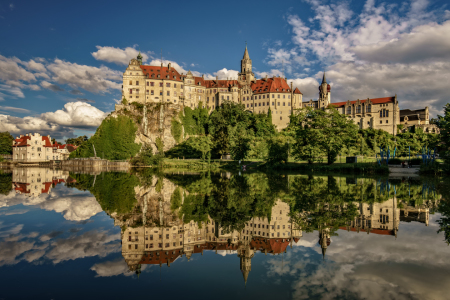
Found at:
<point>267,76</point>
<point>168,66</point>
<point>203,76</point>
<point>217,78</point>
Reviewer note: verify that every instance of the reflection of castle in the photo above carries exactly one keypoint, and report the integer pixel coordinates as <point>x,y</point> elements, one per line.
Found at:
<point>36,181</point>
<point>378,218</point>
<point>165,243</point>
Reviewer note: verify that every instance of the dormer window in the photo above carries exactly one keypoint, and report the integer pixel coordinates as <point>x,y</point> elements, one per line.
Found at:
<point>159,76</point>
<point>153,75</point>
<point>167,76</point>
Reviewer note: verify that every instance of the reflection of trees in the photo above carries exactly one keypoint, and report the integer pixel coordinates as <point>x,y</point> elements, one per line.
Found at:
<point>444,209</point>
<point>113,191</point>
<point>5,183</point>
<point>320,203</point>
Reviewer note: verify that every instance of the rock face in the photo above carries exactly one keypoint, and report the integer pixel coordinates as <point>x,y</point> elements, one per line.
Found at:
<point>154,121</point>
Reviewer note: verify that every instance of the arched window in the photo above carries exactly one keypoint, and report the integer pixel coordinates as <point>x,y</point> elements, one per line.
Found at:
<point>358,109</point>
<point>369,108</point>
<point>349,110</point>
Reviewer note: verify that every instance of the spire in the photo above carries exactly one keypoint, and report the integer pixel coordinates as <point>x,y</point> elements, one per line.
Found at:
<point>246,56</point>
<point>245,273</point>
<point>324,250</point>
<point>324,79</point>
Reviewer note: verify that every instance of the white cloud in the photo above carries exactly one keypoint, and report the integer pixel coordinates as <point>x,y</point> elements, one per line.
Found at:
<point>13,72</point>
<point>76,114</point>
<point>112,268</point>
<point>88,244</point>
<point>224,74</point>
<point>92,79</point>
<point>52,87</point>
<point>73,206</point>
<point>36,66</point>
<point>117,55</point>
<point>14,109</point>
<point>308,87</point>
<point>14,91</point>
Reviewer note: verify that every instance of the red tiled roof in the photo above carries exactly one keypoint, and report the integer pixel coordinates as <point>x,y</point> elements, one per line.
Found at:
<point>275,245</point>
<point>46,188</point>
<point>375,231</point>
<point>297,91</point>
<point>21,187</point>
<point>270,85</point>
<point>374,101</point>
<point>162,71</point>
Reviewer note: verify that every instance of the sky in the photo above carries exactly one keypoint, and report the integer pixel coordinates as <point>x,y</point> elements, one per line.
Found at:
<point>61,62</point>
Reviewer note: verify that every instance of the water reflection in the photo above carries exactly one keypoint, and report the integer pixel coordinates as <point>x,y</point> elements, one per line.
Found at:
<point>314,230</point>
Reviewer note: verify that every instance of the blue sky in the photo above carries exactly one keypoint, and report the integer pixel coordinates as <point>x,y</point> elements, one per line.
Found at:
<point>61,62</point>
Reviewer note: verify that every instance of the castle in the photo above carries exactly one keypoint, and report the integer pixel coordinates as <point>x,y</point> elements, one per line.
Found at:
<point>146,84</point>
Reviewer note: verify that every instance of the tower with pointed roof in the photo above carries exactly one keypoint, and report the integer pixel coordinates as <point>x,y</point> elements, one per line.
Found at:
<point>139,58</point>
<point>246,75</point>
<point>324,92</point>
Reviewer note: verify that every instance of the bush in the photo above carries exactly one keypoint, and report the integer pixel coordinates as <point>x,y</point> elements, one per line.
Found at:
<point>278,150</point>
<point>146,158</point>
<point>177,130</point>
<point>183,150</point>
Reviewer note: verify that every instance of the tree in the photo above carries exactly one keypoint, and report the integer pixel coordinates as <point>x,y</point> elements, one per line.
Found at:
<point>201,143</point>
<point>278,150</point>
<point>325,132</point>
<point>6,140</point>
<point>77,141</point>
<point>227,116</point>
<point>239,142</point>
<point>444,126</point>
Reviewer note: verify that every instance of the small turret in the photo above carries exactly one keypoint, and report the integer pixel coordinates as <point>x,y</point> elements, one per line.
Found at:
<point>139,58</point>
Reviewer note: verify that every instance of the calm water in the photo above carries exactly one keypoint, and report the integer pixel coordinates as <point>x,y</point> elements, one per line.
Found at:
<point>220,236</point>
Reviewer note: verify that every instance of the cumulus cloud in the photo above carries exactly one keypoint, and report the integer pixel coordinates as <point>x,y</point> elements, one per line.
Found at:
<point>13,71</point>
<point>117,55</point>
<point>112,268</point>
<point>36,66</point>
<point>58,124</point>
<point>88,244</point>
<point>52,87</point>
<point>76,114</point>
<point>224,74</point>
<point>73,206</point>
<point>92,79</point>
<point>382,51</point>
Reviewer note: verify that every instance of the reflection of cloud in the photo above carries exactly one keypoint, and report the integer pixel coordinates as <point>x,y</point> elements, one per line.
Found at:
<point>74,206</point>
<point>92,243</point>
<point>10,251</point>
<point>362,266</point>
<point>226,252</point>
<point>112,268</point>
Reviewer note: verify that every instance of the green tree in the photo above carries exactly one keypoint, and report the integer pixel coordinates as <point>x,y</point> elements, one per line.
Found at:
<point>444,126</point>
<point>239,142</point>
<point>202,144</point>
<point>225,117</point>
<point>327,132</point>
<point>113,140</point>
<point>278,150</point>
<point>6,140</point>
<point>77,141</point>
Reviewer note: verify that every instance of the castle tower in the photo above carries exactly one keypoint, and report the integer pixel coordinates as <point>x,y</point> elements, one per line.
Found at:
<point>324,92</point>
<point>246,75</point>
<point>245,254</point>
<point>324,240</point>
<point>139,58</point>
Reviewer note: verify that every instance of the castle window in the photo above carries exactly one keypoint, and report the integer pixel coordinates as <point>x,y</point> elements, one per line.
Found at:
<point>387,113</point>
<point>228,97</point>
<point>131,91</point>
<point>160,84</point>
<point>387,121</point>
<point>167,84</point>
<point>281,118</point>
<point>289,103</point>
<point>131,83</point>
<point>175,93</point>
<point>369,108</point>
<point>152,92</point>
<point>148,83</point>
<point>289,96</point>
<point>160,93</point>
<point>381,113</point>
<point>264,103</point>
<point>381,122</point>
<point>137,82</point>
<point>152,83</point>
<point>174,85</point>
<point>259,96</point>
<point>278,96</point>
<point>349,110</point>
<point>168,93</point>
<point>358,109</point>
<point>284,96</point>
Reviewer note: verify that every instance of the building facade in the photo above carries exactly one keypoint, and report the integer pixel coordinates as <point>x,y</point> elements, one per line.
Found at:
<point>33,147</point>
<point>152,84</point>
<point>144,84</point>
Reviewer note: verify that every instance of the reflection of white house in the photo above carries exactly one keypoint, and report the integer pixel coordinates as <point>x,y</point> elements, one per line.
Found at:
<point>36,181</point>
<point>37,148</point>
